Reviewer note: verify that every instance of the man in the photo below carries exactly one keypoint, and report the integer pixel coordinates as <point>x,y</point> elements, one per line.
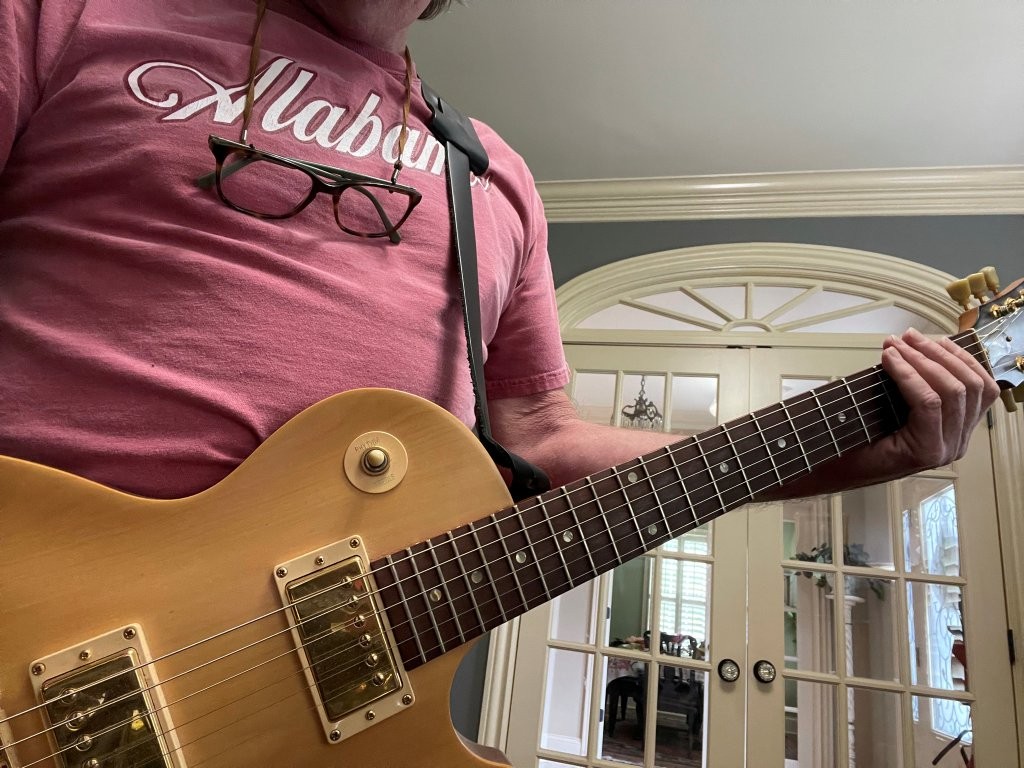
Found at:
<point>152,336</point>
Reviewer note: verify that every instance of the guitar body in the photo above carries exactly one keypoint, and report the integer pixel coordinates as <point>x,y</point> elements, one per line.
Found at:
<point>78,560</point>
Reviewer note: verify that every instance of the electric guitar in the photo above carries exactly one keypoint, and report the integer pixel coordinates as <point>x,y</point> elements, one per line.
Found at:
<point>311,608</point>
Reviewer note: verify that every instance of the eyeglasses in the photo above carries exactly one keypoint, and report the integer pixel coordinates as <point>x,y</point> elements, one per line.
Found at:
<point>271,186</point>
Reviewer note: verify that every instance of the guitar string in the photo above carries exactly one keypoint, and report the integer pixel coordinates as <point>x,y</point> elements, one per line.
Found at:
<point>780,408</point>
<point>497,596</point>
<point>636,551</point>
<point>455,616</point>
<point>136,715</point>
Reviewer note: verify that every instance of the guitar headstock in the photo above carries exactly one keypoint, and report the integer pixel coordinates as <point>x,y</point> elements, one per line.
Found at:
<point>997,316</point>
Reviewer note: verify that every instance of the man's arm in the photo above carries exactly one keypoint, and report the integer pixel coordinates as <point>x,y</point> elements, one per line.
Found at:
<point>946,389</point>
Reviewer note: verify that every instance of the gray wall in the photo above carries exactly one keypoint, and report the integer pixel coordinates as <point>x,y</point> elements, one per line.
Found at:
<point>955,244</point>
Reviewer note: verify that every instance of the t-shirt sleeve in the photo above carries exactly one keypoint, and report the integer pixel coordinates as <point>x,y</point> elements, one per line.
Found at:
<point>19,91</point>
<point>526,356</point>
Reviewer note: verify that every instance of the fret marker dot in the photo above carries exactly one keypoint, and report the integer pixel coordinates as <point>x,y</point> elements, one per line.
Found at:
<point>567,537</point>
<point>841,418</point>
<point>652,530</point>
<point>435,595</point>
<point>477,577</point>
<point>781,443</point>
<point>723,467</point>
<point>520,557</point>
<point>632,477</point>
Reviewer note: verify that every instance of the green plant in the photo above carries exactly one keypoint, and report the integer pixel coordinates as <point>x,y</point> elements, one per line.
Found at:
<point>853,554</point>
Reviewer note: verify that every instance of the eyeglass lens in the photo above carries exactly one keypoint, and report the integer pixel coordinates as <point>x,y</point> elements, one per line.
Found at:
<point>266,188</point>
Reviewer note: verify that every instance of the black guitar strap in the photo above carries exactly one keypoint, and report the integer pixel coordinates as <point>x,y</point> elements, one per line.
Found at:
<point>465,153</point>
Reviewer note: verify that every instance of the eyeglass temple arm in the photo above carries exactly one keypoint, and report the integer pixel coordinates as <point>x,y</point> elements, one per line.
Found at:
<point>207,180</point>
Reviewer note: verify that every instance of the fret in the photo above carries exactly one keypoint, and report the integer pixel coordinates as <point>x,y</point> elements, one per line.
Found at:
<point>583,538</point>
<point>604,517</point>
<point>885,391</point>
<point>444,586</point>
<point>426,600</point>
<point>796,435</point>
<point>558,547</point>
<point>828,426</point>
<point>767,448</point>
<point>405,604</point>
<point>487,570</point>
<point>533,556</point>
<point>711,472</point>
<point>856,407</point>
<point>465,580</point>
<point>657,501</point>
<point>679,476</point>
<point>511,562</point>
<point>739,462</point>
<point>632,513</point>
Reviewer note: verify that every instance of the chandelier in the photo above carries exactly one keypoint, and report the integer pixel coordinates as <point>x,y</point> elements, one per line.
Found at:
<point>642,414</point>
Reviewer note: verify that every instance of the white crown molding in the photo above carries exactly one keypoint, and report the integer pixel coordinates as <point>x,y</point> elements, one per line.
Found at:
<point>971,191</point>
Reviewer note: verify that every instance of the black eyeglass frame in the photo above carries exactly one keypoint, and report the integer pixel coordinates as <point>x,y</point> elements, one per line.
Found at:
<point>337,181</point>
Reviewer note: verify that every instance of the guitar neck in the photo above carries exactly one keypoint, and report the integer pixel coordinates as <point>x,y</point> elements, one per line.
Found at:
<point>447,590</point>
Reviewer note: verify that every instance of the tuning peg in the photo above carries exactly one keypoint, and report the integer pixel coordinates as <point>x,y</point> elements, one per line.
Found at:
<point>991,279</point>
<point>979,285</point>
<point>1007,397</point>
<point>960,292</point>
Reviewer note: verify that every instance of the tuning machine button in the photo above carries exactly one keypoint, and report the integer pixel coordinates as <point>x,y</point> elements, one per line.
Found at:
<point>960,292</point>
<point>991,279</point>
<point>979,285</point>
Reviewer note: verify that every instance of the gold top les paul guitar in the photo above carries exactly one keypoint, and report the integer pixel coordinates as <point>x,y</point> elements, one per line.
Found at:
<point>311,608</point>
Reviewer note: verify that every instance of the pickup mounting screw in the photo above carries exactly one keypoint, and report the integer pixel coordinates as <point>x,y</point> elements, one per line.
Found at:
<point>85,655</point>
<point>354,543</point>
<point>371,715</point>
<point>129,633</point>
<point>335,735</point>
<point>38,669</point>
<point>319,560</point>
<point>407,699</point>
<point>281,572</point>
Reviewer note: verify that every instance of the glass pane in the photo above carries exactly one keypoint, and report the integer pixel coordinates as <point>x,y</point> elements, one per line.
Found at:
<point>594,396</point>
<point>930,529</point>
<point>696,542</point>
<point>630,609</point>
<point>867,528</point>
<point>572,615</point>
<point>794,386</point>
<point>871,639</point>
<point>624,711</point>
<point>684,607</point>
<point>937,650</point>
<point>622,318</point>
<point>875,729</point>
<point>680,303</point>
<point>810,635</point>
<point>643,401</point>
<point>811,727</point>
<point>936,723</point>
<point>806,528</point>
<point>567,702</point>
<point>552,764</point>
<point>694,404</point>
<point>679,733</point>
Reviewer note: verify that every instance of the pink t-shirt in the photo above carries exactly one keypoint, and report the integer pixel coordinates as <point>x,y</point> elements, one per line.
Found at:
<point>151,337</point>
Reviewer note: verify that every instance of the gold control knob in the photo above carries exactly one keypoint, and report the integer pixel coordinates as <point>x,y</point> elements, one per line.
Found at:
<point>979,285</point>
<point>991,278</point>
<point>960,292</point>
<point>376,461</point>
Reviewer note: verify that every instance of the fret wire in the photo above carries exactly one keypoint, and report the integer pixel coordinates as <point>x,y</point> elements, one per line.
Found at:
<point>408,614</point>
<point>679,475</point>
<point>767,448</point>
<point>796,436</point>
<point>583,537</point>
<point>558,547</point>
<point>600,509</point>
<point>533,553</point>
<point>511,561</point>
<point>711,473</point>
<point>629,507</point>
<point>447,593</point>
<point>856,407</point>
<point>487,570</point>
<point>465,579</point>
<point>426,598</point>
<point>824,418</point>
<point>657,501</point>
<point>739,463</point>
<point>885,391</point>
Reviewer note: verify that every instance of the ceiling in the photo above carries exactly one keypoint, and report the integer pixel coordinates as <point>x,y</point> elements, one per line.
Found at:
<point>605,89</point>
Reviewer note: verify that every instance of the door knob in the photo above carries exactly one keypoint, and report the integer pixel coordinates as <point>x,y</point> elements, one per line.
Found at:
<point>764,671</point>
<point>729,670</point>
